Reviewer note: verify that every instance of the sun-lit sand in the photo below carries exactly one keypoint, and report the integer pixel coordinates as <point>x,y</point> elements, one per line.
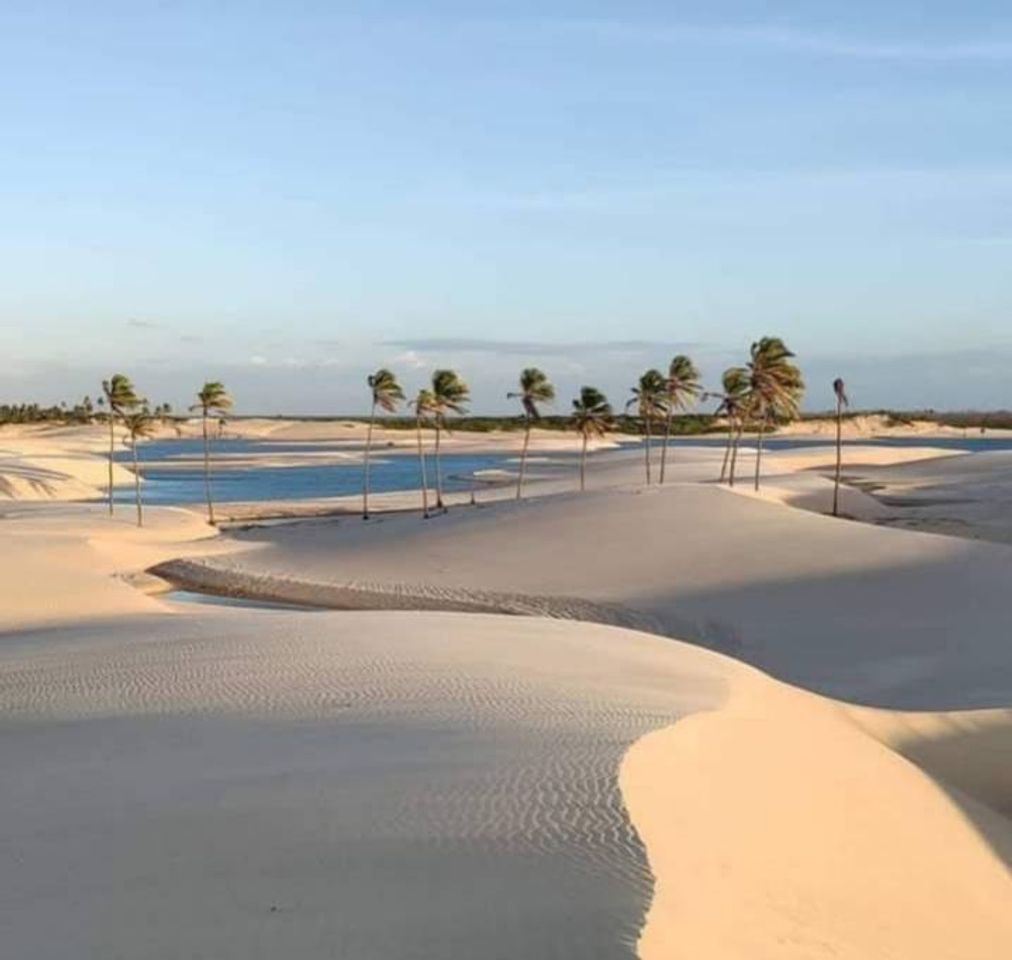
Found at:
<point>395,781</point>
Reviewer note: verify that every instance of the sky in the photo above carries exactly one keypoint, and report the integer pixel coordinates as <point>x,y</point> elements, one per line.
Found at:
<point>287,195</point>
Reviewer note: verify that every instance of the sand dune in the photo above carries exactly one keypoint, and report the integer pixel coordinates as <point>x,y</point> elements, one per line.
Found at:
<point>421,783</point>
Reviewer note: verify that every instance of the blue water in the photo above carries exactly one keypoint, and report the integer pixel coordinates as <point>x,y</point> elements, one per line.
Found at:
<point>391,471</point>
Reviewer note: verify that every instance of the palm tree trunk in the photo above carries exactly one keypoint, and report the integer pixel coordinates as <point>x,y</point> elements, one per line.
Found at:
<point>365,466</point>
<point>727,450</point>
<point>207,472</point>
<point>439,473</point>
<point>839,456</point>
<point>425,479</point>
<point>734,452</point>
<point>646,445</point>
<point>667,440</point>
<point>759,451</point>
<point>523,456</point>
<point>137,485</point>
<point>583,465</point>
<point>112,451</point>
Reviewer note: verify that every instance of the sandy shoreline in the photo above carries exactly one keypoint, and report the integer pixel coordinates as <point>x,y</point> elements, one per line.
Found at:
<point>247,757</point>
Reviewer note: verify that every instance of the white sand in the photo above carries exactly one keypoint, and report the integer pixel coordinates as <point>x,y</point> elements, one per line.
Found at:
<point>207,781</point>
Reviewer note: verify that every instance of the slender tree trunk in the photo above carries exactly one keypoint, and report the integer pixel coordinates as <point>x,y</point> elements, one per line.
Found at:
<point>734,452</point>
<point>759,451</point>
<point>112,451</point>
<point>839,456</point>
<point>439,472</point>
<point>425,479</point>
<point>137,486</point>
<point>583,465</point>
<point>646,445</point>
<point>365,465</point>
<point>727,450</point>
<point>207,473</point>
<point>523,456</point>
<point>664,449</point>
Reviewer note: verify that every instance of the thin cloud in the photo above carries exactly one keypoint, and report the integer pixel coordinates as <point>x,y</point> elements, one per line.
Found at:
<point>533,347</point>
<point>791,40</point>
<point>142,324</point>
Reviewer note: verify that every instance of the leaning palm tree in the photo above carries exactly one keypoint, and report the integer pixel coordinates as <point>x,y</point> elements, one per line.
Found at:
<point>424,405</point>
<point>535,388</point>
<point>734,381</point>
<point>592,416</point>
<point>650,402</point>
<point>449,394</point>
<point>386,394</point>
<point>681,388</point>
<point>212,398</point>
<point>120,397</point>
<point>841,401</point>
<point>774,389</point>
<point>139,424</point>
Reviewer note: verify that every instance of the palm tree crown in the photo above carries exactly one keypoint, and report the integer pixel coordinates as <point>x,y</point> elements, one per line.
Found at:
<point>592,414</point>
<point>139,424</point>
<point>682,384</point>
<point>120,393</point>
<point>212,398</point>
<point>775,386</point>
<point>449,393</point>
<point>386,391</point>
<point>535,388</point>
<point>649,395</point>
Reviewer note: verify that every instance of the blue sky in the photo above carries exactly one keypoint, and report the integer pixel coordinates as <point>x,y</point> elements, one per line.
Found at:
<point>284,195</point>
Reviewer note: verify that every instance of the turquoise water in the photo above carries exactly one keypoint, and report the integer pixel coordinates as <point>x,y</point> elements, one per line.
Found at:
<point>174,473</point>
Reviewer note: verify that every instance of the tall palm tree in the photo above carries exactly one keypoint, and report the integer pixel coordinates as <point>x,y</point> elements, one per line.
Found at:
<point>212,398</point>
<point>774,389</point>
<point>592,416</point>
<point>139,424</point>
<point>386,394</point>
<point>119,395</point>
<point>424,404</point>
<point>650,401</point>
<point>681,388</point>
<point>449,394</point>
<point>734,381</point>
<point>841,401</point>
<point>535,388</point>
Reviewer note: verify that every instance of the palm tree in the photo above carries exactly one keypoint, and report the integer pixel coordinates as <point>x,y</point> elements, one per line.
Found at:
<point>386,394</point>
<point>774,389</point>
<point>841,401</point>
<point>449,394</point>
<point>649,399</point>
<point>212,398</point>
<point>120,396</point>
<point>592,416</point>
<point>732,405</point>
<point>139,424</point>
<point>424,404</point>
<point>680,389</point>
<point>535,388</point>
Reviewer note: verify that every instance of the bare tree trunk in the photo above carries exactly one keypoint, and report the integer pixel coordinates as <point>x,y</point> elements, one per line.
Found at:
<point>439,473</point>
<point>759,451</point>
<point>112,451</point>
<point>839,456</point>
<point>365,465</point>
<point>734,452</point>
<point>583,465</point>
<point>523,456</point>
<point>207,472</point>
<point>727,450</point>
<point>667,440</point>
<point>425,479</point>
<point>137,486</point>
<point>646,445</point>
